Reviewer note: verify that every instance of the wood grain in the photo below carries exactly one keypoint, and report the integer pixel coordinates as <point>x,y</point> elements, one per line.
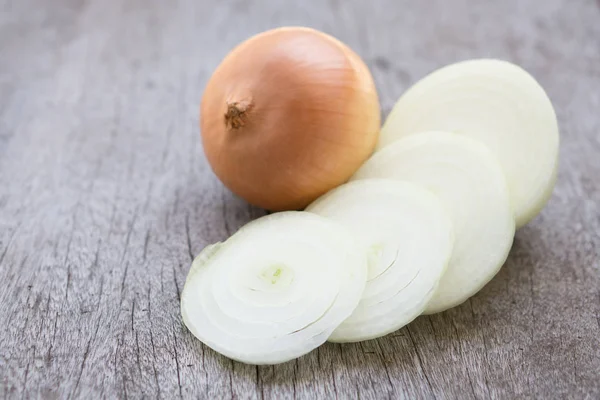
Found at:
<point>105,197</point>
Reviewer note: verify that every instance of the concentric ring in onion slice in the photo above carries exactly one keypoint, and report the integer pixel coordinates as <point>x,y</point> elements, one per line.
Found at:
<point>276,289</point>
<point>409,234</point>
<point>467,178</point>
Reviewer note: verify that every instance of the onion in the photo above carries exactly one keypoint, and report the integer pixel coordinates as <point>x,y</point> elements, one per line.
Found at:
<point>276,289</point>
<point>288,115</point>
<point>409,235</point>
<point>499,104</point>
<point>469,181</point>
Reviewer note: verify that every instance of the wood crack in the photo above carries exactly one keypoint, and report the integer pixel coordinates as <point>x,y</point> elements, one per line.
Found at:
<point>146,240</point>
<point>97,255</point>
<point>137,354</point>
<point>294,377</point>
<point>68,285</point>
<point>132,312</point>
<point>383,363</point>
<point>4,253</point>
<point>123,282</point>
<point>189,240</point>
<point>128,237</point>
<point>49,354</point>
<point>258,388</point>
<point>461,351</point>
<point>319,357</point>
<point>100,292</point>
<point>598,305</point>
<point>166,146</point>
<point>230,372</point>
<point>10,239</point>
<point>485,355</point>
<point>224,213</point>
<point>27,306</point>
<point>85,357</point>
<point>154,363</point>
<point>335,389</point>
<point>177,291</point>
<point>24,390</point>
<point>437,344</point>
<point>177,362</point>
<point>532,304</point>
<point>422,367</point>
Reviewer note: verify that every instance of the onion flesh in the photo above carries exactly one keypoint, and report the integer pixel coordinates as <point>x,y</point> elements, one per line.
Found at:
<point>276,289</point>
<point>469,181</point>
<point>409,235</point>
<point>499,104</point>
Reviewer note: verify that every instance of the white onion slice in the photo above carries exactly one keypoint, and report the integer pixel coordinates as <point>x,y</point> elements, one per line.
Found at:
<point>499,104</point>
<point>276,289</point>
<point>469,181</point>
<point>409,234</point>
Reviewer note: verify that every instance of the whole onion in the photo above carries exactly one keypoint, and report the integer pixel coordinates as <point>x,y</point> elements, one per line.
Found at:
<point>288,115</point>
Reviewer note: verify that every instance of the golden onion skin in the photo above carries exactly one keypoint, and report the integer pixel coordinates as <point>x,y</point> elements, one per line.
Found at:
<point>288,115</point>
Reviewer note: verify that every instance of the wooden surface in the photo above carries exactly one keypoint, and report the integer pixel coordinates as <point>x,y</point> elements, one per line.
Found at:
<point>105,197</point>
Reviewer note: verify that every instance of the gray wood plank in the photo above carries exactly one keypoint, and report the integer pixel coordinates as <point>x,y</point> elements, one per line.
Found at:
<point>105,197</point>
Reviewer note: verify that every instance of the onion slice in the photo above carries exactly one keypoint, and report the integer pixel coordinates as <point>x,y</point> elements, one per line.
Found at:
<point>409,236</point>
<point>276,289</point>
<point>469,181</point>
<point>499,104</point>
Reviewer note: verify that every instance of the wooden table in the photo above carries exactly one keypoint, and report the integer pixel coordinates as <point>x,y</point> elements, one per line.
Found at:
<point>105,197</point>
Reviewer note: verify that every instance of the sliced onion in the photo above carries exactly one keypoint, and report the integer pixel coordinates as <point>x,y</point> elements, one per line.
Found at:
<point>409,235</point>
<point>499,104</point>
<point>276,289</point>
<point>469,181</point>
